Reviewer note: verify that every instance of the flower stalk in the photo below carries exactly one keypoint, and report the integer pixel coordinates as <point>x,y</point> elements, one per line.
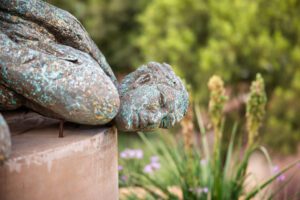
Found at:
<point>187,127</point>
<point>216,106</point>
<point>255,108</point>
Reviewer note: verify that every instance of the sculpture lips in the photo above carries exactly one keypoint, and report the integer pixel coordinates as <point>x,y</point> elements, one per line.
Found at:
<point>162,124</point>
<point>142,122</point>
<point>165,123</point>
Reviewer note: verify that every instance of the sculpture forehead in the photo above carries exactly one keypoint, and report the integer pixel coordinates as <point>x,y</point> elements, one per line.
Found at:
<point>151,74</point>
<point>152,78</point>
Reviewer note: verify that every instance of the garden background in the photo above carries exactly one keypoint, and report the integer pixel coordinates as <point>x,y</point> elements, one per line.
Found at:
<point>232,38</point>
<point>235,39</point>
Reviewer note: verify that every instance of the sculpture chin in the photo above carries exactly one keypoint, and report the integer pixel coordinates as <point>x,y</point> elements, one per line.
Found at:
<point>135,113</point>
<point>134,121</point>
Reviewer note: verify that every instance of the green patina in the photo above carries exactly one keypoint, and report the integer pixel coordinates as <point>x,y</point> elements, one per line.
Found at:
<point>49,64</point>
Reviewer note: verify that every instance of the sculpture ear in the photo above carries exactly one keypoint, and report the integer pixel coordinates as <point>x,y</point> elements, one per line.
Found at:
<point>143,79</point>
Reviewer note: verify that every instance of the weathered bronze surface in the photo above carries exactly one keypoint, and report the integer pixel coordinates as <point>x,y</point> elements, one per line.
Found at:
<point>48,63</point>
<point>151,97</point>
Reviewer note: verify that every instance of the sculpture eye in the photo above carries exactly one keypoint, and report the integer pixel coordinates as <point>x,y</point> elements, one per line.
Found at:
<point>153,106</point>
<point>143,79</point>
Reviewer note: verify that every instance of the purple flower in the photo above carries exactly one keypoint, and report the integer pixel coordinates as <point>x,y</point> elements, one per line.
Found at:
<point>203,162</point>
<point>139,154</point>
<point>124,178</point>
<point>120,168</point>
<point>154,159</point>
<point>275,169</point>
<point>155,165</point>
<point>281,178</point>
<point>124,154</point>
<point>148,169</point>
<point>199,190</point>
<point>205,190</point>
<point>132,153</point>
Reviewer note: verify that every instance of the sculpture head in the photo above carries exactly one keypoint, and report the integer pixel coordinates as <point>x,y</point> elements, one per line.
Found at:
<point>151,97</point>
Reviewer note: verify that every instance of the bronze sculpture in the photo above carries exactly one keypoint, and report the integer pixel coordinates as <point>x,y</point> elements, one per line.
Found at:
<point>49,64</point>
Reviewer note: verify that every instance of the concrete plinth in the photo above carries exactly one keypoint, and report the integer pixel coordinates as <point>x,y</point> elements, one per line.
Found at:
<point>80,166</point>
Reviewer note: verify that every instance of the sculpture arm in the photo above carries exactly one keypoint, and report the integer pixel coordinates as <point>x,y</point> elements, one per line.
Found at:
<point>10,100</point>
<point>64,26</point>
<point>74,90</point>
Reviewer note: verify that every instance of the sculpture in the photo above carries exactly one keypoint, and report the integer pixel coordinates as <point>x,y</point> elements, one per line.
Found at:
<point>49,64</point>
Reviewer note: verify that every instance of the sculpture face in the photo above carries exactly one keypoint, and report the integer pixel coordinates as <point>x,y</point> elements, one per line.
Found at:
<point>151,97</point>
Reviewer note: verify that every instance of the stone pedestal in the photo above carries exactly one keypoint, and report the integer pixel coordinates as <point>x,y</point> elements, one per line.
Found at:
<point>80,166</point>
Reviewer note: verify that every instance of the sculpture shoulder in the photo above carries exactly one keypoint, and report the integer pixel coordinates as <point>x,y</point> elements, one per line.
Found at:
<point>63,25</point>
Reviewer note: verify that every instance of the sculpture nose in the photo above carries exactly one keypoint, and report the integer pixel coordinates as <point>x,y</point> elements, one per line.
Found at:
<point>167,121</point>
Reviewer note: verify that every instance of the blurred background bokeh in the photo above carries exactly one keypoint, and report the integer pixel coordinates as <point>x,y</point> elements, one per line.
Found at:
<point>232,38</point>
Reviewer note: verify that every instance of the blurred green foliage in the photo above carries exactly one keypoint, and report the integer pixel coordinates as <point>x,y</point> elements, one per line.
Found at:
<point>232,38</point>
<point>113,26</point>
<point>236,39</point>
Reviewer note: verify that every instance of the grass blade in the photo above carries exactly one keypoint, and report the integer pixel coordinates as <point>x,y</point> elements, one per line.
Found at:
<point>230,149</point>
<point>203,133</point>
<point>267,182</point>
<point>280,189</point>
